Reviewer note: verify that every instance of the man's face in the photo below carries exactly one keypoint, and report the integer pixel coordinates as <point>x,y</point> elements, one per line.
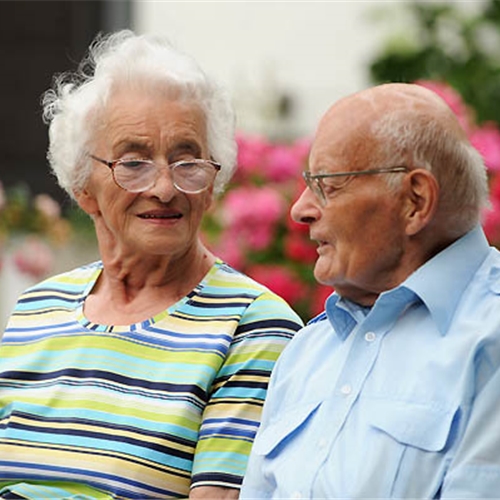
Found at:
<point>360,229</point>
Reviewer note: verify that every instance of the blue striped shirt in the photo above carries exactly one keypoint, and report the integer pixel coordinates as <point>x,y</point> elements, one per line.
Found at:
<point>138,411</point>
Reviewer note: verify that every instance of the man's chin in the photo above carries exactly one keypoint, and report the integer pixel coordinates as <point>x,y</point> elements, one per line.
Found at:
<point>323,275</point>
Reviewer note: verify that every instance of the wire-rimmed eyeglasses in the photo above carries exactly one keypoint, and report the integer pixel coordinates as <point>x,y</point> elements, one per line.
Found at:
<point>138,175</point>
<point>323,185</point>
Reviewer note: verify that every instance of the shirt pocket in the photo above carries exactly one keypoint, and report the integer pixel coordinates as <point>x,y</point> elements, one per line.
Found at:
<point>281,430</point>
<point>420,435</point>
<point>420,426</point>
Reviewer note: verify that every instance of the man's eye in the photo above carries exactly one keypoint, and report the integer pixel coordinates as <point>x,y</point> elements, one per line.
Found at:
<point>332,184</point>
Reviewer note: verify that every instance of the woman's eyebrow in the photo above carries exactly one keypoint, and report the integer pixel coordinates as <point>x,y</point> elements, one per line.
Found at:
<point>191,147</point>
<point>128,145</point>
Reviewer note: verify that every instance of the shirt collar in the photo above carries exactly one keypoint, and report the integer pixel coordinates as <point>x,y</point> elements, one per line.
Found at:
<point>441,281</point>
<point>343,314</point>
<point>439,284</point>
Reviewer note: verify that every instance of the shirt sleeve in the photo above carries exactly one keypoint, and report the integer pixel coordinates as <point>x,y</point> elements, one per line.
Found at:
<point>232,415</point>
<point>475,470</point>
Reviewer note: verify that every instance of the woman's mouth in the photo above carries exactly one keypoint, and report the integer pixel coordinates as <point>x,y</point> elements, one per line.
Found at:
<point>161,215</point>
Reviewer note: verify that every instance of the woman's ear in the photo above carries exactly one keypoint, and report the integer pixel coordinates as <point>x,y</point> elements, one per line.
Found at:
<point>422,197</point>
<point>86,201</point>
<point>210,199</point>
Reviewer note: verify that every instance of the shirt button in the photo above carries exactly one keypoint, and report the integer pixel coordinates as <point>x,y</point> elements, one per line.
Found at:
<point>346,389</point>
<point>296,494</point>
<point>322,443</point>
<point>370,336</point>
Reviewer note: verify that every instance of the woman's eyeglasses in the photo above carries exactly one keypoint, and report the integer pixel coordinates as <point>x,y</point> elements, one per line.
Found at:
<point>136,176</point>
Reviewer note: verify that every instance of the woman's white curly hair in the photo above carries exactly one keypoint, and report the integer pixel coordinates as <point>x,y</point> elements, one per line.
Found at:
<point>74,103</point>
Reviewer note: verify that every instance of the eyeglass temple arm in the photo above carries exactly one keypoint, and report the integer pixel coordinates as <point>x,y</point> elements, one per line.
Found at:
<point>108,164</point>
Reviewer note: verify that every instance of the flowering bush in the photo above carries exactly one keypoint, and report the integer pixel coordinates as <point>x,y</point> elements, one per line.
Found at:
<point>485,137</point>
<point>251,228</point>
<point>38,226</point>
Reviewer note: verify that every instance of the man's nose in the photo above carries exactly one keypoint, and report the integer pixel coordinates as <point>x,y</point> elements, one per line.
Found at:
<point>306,209</point>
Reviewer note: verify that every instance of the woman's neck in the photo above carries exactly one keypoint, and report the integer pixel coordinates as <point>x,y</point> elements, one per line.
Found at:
<point>135,288</point>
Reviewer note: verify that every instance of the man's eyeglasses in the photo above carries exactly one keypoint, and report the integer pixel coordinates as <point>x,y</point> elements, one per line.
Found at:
<point>136,176</point>
<point>323,185</point>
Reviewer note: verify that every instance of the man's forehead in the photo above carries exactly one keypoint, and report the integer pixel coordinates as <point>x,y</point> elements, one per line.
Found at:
<point>348,148</point>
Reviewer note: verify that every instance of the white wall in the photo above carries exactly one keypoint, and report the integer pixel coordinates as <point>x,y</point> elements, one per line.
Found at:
<point>313,51</point>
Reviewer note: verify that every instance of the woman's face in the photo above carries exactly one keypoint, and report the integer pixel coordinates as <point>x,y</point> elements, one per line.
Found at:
<point>161,220</point>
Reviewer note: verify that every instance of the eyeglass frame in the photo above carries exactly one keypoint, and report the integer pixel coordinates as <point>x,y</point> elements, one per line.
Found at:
<point>113,163</point>
<point>313,181</point>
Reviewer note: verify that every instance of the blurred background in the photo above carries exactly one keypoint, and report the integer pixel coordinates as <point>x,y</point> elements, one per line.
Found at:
<point>284,64</point>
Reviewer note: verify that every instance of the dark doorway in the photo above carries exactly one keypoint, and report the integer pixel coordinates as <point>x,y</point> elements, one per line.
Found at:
<point>38,39</point>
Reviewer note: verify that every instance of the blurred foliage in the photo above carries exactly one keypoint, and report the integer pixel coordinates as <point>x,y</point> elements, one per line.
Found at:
<point>33,228</point>
<point>447,43</point>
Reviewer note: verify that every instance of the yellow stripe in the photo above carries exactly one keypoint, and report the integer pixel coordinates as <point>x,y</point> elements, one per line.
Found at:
<point>92,459</point>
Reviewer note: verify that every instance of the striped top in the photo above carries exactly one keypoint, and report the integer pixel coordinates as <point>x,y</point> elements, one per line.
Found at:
<point>138,411</point>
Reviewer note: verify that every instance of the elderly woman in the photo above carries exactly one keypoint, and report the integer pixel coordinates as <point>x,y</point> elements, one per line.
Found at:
<point>141,375</point>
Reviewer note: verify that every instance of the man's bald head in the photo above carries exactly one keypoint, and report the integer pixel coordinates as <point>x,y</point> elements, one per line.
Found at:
<point>407,124</point>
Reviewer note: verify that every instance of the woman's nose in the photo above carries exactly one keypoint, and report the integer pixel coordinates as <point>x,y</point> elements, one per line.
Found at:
<point>163,187</point>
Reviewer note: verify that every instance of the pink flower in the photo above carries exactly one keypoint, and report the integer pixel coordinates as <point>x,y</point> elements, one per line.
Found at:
<point>279,280</point>
<point>251,213</point>
<point>486,139</point>
<point>491,222</point>
<point>47,206</point>
<point>252,151</point>
<point>495,188</point>
<point>299,248</point>
<point>229,249</point>
<point>491,216</point>
<point>34,257</point>
<point>283,163</point>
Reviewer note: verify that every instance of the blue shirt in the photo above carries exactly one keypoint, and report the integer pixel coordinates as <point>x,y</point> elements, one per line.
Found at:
<point>398,401</point>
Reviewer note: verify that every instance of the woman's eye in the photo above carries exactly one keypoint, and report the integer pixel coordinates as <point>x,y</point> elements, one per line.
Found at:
<point>133,164</point>
<point>177,159</point>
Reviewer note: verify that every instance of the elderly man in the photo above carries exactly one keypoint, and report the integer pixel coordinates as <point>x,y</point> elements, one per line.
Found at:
<point>393,391</point>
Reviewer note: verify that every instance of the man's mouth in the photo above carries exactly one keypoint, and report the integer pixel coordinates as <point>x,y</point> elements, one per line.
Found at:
<point>321,243</point>
<point>318,241</point>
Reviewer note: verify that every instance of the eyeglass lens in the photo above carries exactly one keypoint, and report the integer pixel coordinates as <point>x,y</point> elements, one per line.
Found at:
<point>189,177</point>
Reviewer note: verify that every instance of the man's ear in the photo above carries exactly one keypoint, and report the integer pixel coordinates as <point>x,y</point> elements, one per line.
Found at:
<point>422,197</point>
<point>86,201</point>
